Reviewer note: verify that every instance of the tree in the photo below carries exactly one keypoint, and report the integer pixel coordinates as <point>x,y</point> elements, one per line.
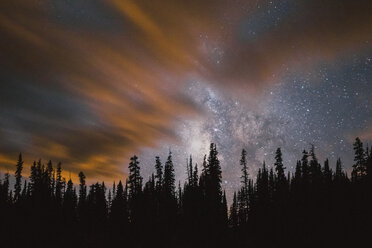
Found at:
<point>82,188</point>
<point>214,175</point>
<point>315,169</point>
<point>159,174</point>
<point>82,203</point>
<point>18,178</point>
<point>195,176</point>
<point>212,178</point>
<point>338,173</point>
<point>48,175</point>
<point>279,168</point>
<point>69,203</point>
<point>305,167</point>
<point>359,169</point>
<point>244,169</point>
<point>224,208</point>
<point>190,172</point>
<point>5,198</point>
<point>59,184</point>
<point>243,198</point>
<point>169,178</point>
<point>233,218</point>
<point>118,213</point>
<point>135,179</point>
<point>327,172</point>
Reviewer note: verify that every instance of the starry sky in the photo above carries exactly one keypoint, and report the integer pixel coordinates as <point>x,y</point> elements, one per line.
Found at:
<point>90,83</point>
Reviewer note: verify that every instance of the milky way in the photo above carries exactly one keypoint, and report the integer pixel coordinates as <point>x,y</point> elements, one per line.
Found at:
<point>326,107</point>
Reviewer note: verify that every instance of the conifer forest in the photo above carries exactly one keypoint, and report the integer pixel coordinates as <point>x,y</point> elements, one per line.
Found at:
<point>313,206</point>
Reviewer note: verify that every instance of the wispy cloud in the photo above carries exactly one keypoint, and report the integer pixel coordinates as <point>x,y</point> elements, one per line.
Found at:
<point>91,83</point>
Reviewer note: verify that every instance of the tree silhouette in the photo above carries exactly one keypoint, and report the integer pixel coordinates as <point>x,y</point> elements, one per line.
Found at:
<point>169,178</point>
<point>279,168</point>
<point>359,166</point>
<point>311,206</point>
<point>18,178</point>
<point>135,179</point>
<point>159,174</point>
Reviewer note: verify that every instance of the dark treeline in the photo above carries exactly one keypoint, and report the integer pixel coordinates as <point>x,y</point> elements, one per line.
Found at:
<point>313,206</point>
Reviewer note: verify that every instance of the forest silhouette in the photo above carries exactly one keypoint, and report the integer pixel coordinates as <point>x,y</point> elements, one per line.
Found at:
<point>312,206</point>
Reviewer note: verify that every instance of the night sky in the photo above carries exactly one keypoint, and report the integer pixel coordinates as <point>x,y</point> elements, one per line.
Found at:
<point>90,83</point>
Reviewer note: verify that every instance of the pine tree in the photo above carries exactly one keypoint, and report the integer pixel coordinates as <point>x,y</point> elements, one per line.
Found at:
<point>135,179</point>
<point>338,174</point>
<point>180,195</point>
<point>195,176</point>
<point>298,170</point>
<point>274,186</point>
<point>214,175</point>
<point>49,178</point>
<point>279,168</point>
<point>233,218</point>
<point>159,174</point>
<point>359,158</point>
<point>213,191</point>
<point>118,214</point>
<point>243,193</point>
<point>82,203</point>
<point>244,169</point>
<point>190,172</point>
<point>69,203</point>
<point>315,169</point>
<point>113,189</point>
<point>18,178</point>
<point>5,197</point>
<point>169,178</point>
<point>327,172</point>
<point>305,167</point>
<point>59,184</point>
<point>224,208</point>
<point>24,190</point>
<point>82,188</point>
<point>242,215</point>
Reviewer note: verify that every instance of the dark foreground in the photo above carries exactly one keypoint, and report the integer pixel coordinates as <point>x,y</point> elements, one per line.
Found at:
<point>315,206</point>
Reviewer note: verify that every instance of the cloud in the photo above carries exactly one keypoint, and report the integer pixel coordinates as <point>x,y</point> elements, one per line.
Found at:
<point>89,84</point>
<point>302,34</point>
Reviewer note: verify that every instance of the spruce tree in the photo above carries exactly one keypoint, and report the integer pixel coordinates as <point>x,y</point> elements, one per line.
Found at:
<point>190,172</point>
<point>195,176</point>
<point>159,174</point>
<point>224,208</point>
<point>5,196</point>
<point>243,193</point>
<point>49,178</point>
<point>315,169</point>
<point>118,214</point>
<point>233,218</point>
<point>338,174</point>
<point>135,179</point>
<point>82,188</point>
<point>359,158</point>
<point>69,203</point>
<point>214,175</point>
<point>279,168</point>
<point>327,172</point>
<point>59,184</point>
<point>169,178</point>
<point>244,169</point>
<point>305,167</point>
<point>18,178</point>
